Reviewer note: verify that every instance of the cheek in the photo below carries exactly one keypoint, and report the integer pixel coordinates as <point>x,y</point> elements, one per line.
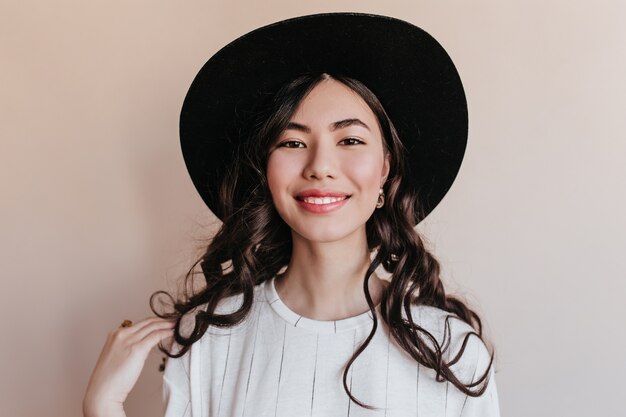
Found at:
<point>279,171</point>
<point>365,171</point>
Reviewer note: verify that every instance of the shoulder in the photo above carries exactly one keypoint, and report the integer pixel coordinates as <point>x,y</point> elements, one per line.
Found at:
<point>439,322</point>
<point>226,305</point>
<point>455,335</point>
<point>230,304</point>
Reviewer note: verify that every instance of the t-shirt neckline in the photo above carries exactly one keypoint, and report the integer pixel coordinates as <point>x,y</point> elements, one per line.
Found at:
<point>318,326</point>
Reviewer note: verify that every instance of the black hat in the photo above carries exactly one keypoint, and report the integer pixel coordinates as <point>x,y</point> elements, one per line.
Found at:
<point>407,69</point>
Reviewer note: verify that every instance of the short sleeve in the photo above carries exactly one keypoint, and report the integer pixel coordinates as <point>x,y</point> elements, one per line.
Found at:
<point>487,405</point>
<point>470,366</point>
<point>473,366</point>
<point>176,387</point>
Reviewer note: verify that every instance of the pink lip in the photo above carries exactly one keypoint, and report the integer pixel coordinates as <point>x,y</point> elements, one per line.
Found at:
<point>324,192</point>
<point>322,208</point>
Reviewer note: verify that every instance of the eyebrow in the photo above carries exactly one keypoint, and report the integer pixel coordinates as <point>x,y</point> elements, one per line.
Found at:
<point>333,126</point>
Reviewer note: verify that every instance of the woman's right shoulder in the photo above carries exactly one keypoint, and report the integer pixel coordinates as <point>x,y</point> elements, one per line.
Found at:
<point>232,303</point>
<point>226,305</point>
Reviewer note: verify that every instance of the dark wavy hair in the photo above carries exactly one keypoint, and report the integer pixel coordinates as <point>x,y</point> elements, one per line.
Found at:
<point>255,243</point>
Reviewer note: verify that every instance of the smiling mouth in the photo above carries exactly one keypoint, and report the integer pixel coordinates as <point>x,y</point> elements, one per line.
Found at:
<point>322,200</point>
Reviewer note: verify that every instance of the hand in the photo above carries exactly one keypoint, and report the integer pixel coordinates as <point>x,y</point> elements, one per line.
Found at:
<point>120,363</point>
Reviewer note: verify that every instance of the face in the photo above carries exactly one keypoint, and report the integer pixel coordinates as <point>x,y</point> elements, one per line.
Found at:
<point>333,145</point>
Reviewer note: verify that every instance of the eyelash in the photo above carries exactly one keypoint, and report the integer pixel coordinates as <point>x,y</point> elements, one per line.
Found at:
<point>281,145</point>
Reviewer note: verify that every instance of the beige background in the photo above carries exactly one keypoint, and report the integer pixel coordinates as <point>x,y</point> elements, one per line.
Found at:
<point>98,212</point>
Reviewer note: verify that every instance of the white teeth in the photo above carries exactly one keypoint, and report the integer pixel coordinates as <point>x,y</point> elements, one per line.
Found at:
<point>325,200</point>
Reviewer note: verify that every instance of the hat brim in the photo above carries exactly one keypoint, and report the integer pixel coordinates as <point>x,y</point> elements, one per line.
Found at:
<point>407,69</point>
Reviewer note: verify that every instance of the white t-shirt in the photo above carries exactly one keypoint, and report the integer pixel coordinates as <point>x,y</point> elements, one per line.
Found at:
<point>278,363</point>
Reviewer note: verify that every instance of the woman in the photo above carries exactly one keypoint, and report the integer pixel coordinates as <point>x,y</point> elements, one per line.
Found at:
<point>317,187</point>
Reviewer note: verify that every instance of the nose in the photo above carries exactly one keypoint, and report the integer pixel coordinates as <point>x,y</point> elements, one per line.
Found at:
<point>321,160</point>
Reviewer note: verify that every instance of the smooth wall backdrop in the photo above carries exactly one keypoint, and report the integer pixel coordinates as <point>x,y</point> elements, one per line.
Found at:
<point>98,212</point>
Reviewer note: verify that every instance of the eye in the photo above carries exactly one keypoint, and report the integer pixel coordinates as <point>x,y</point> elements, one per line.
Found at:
<point>283,144</point>
<point>354,139</point>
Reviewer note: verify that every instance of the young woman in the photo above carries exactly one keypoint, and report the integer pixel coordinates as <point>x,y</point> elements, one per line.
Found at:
<point>319,177</point>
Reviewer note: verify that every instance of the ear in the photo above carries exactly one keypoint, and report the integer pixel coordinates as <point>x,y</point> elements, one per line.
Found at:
<point>386,167</point>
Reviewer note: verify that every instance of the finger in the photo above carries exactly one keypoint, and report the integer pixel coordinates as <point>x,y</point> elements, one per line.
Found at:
<point>152,339</point>
<point>146,322</point>
<point>153,318</point>
<point>126,335</point>
<point>143,332</point>
<point>139,326</point>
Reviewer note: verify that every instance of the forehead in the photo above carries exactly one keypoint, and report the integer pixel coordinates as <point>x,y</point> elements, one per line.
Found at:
<point>331,100</point>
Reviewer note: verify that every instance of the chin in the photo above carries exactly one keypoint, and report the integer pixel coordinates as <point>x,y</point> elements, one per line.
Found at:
<point>330,233</point>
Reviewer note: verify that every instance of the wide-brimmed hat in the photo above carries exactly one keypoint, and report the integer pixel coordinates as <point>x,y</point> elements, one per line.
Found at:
<point>407,69</point>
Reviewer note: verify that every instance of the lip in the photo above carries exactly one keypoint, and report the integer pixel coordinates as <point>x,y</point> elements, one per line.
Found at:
<point>323,192</point>
<point>322,208</point>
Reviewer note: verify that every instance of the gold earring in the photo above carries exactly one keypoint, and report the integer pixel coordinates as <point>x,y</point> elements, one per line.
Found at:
<point>381,199</point>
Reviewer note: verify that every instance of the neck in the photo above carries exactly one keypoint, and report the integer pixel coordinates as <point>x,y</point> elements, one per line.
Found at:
<point>324,280</point>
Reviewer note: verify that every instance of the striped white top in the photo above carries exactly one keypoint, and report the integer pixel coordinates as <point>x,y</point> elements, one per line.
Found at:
<point>278,363</point>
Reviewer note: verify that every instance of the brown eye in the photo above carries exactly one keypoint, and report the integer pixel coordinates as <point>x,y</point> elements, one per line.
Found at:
<point>354,139</point>
<point>283,144</point>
